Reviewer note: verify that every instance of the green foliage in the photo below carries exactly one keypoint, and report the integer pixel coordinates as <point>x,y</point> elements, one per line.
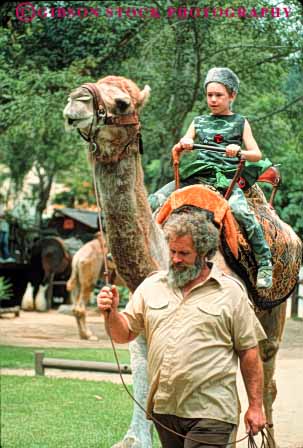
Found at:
<point>123,296</point>
<point>33,133</point>
<point>5,289</point>
<point>78,181</point>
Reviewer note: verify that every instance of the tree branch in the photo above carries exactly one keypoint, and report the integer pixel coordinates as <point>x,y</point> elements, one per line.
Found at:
<point>273,58</point>
<point>277,111</point>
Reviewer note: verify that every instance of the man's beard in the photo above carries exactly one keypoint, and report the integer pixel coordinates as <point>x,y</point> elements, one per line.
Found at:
<point>180,278</point>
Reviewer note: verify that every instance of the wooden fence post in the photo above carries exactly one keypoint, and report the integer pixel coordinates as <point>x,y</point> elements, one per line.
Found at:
<point>39,368</point>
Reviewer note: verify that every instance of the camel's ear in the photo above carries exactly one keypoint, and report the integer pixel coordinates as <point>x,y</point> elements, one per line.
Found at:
<point>144,95</point>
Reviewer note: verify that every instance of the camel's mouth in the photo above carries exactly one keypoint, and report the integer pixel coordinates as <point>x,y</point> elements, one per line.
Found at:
<point>72,123</point>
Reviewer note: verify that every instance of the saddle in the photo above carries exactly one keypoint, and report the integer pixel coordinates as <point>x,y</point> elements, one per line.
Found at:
<point>286,247</point>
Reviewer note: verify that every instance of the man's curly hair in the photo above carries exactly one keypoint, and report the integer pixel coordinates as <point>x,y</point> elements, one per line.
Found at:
<point>198,225</point>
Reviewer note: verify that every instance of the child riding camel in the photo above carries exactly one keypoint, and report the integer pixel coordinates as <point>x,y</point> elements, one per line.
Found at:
<point>220,128</point>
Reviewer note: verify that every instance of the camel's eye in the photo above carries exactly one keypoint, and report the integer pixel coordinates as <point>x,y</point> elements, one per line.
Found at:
<point>83,98</point>
<point>122,104</point>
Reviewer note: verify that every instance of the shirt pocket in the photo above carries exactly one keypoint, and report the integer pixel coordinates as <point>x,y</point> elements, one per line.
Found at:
<point>157,310</point>
<point>209,319</point>
<point>157,303</point>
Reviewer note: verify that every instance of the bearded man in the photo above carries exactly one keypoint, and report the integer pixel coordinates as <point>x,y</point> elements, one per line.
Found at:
<point>198,323</point>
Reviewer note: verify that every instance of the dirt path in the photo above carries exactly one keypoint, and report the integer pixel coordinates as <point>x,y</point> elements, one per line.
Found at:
<point>53,329</point>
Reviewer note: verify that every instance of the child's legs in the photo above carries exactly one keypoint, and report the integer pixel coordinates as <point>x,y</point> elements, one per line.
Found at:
<point>253,229</point>
<point>159,197</point>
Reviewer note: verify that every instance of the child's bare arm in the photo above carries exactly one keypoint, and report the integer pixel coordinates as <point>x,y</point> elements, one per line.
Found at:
<point>188,140</point>
<point>251,152</point>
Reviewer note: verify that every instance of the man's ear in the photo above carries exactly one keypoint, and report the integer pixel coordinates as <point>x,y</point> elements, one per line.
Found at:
<point>233,96</point>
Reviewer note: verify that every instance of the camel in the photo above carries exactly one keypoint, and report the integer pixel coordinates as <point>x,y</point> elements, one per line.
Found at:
<point>106,115</point>
<point>87,269</point>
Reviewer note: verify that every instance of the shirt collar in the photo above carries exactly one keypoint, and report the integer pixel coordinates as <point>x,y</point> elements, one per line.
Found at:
<point>215,273</point>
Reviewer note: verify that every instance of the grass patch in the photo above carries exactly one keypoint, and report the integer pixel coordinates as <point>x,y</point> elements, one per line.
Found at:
<point>44,412</point>
<point>52,412</point>
<point>47,412</point>
<point>23,357</point>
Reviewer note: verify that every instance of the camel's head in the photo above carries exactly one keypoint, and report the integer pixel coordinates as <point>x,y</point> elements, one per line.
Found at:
<point>120,97</point>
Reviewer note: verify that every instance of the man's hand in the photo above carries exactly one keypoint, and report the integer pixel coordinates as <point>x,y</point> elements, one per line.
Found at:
<point>254,420</point>
<point>108,299</point>
<point>116,324</point>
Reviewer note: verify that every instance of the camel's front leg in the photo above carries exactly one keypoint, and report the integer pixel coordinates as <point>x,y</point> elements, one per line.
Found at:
<point>269,396</point>
<point>79,311</point>
<point>273,322</point>
<point>139,434</point>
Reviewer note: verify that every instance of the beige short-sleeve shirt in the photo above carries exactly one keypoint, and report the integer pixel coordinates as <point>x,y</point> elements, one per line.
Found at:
<point>193,343</point>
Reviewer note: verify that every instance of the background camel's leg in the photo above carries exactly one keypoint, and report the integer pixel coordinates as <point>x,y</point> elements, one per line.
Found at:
<point>273,322</point>
<point>79,313</point>
<point>85,294</point>
<point>87,279</point>
<point>139,434</point>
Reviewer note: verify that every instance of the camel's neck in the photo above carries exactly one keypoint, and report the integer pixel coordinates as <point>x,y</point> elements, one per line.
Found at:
<point>129,222</point>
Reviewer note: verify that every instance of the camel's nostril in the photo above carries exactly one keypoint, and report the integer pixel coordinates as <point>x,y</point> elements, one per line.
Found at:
<point>70,121</point>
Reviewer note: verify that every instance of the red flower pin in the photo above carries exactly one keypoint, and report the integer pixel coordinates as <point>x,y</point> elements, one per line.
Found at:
<point>218,138</point>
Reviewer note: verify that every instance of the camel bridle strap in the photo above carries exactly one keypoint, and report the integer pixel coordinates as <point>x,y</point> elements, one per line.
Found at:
<point>99,105</point>
<point>101,110</point>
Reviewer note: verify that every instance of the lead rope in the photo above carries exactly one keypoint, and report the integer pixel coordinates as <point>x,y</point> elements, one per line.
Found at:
<point>251,441</point>
<point>106,273</point>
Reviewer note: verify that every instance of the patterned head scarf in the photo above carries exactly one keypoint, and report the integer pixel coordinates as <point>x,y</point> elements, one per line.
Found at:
<point>224,76</point>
